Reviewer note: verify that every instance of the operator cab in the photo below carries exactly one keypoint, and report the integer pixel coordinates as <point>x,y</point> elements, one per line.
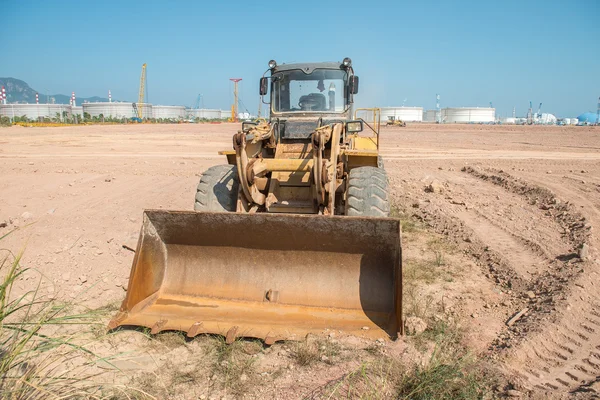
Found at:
<point>306,96</point>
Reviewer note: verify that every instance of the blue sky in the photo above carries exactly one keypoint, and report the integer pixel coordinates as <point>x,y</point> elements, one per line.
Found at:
<point>471,52</point>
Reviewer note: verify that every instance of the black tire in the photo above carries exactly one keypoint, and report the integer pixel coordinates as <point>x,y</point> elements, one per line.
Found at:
<point>217,189</point>
<point>368,193</point>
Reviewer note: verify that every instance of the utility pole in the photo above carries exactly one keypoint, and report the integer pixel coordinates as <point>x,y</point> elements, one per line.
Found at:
<point>260,105</point>
<point>598,113</point>
<point>234,107</point>
<point>437,107</point>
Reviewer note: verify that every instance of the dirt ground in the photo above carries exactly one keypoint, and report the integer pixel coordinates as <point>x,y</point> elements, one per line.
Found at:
<point>507,214</point>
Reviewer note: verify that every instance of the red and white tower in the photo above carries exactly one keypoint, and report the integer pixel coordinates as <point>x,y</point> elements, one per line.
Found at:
<point>37,98</point>
<point>73,99</point>
<point>109,96</point>
<point>3,99</point>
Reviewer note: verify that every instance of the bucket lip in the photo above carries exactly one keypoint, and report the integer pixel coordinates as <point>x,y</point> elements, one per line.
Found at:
<point>273,215</point>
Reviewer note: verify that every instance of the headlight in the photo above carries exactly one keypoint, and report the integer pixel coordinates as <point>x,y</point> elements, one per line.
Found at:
<point>354,126</point>
<point>347,62</point>
<point>272,64</point>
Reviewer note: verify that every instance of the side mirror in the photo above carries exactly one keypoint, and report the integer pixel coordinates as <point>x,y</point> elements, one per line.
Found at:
<point>354,126</point>
<point>264,86</point>
<point>353,84</point>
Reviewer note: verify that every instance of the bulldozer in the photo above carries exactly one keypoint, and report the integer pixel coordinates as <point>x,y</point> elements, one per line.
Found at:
<point>291,236</point>
<point>392,121</point>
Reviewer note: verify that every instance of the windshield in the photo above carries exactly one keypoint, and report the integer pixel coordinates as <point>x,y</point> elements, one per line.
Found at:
<point>320,91</point>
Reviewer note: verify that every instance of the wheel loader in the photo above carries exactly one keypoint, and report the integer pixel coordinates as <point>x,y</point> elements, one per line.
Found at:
<point>290,236</point>
<point>392,121</point>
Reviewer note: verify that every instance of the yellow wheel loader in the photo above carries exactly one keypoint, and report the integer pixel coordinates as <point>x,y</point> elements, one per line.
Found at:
<point>292,236</point>
<point>392,121</point>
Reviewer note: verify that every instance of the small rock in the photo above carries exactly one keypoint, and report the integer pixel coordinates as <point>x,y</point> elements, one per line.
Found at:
<point>3,224</point>
<point>365,328</point>
<point>474,315</point>
<point>324,358</point>
<point>548,172</point>
<point>434,187</point>
<point>51,211</point>
<point>584,251</point>
<point>66,277</point>
<point>202,397</point>
<point>107,180</point>
<point>83,279</point>
<point>30,163</point>
<point>243,377</point>
<point>415,325</point>
<point>530,294</point>
<point>513,393</point>
<point>26,215</point>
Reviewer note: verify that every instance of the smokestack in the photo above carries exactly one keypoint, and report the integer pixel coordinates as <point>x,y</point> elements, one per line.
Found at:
<point>37,99</point>
<point>109,96</point>
<point>73,99</point>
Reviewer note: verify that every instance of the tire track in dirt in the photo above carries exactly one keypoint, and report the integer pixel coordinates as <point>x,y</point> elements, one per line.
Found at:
<point>562,353</point>
<point>526,241</point>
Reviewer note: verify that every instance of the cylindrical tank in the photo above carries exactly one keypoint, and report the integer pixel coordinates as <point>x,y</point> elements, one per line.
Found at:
<point>404,113</point>
<point>225,114</point>
<point>468,115</point>
<point>117,109</point>
<point>430,115</point>
<point>168,112</point>
<point>34,111</point>
<point>204,113</point>
<point>574,121</point>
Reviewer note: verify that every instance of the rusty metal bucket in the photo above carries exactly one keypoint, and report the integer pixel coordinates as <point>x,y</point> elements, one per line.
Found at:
<point>274,277</point>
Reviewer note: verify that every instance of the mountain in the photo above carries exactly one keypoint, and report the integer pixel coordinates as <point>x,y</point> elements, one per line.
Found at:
<point>18,91</point>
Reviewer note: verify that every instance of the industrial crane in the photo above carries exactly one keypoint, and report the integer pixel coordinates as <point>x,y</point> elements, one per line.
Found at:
<point>142,93</point>
<point>539,112</point>
<point>234,106</point>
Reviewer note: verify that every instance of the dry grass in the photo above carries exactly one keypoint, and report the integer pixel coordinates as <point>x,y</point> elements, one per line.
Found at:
<point>311,351</point>
<point>44,351</point>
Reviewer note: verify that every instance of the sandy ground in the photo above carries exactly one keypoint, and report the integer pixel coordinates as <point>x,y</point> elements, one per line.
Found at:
<point>516,203</point>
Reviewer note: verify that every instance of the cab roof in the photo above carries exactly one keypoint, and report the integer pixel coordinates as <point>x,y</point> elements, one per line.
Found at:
<point>308,68</point>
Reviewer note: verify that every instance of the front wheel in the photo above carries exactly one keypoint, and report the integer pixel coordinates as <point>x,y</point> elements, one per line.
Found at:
<point>367,193</point>
<point>217,189</point>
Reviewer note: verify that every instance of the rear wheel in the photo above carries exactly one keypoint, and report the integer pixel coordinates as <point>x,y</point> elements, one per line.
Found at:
<point>217,189</point>
<point>367,193</point>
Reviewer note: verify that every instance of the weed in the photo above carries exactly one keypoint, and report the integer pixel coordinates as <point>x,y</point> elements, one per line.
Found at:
<point>439,259</point>
<point>232,364</point>
<point>36,359</point>
<point>371,380</point>
<point>310,351</point>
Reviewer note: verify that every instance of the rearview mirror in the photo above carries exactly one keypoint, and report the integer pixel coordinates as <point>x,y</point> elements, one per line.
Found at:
<point>264,86</point>
<point>353,84</point>
<point>354,126</point>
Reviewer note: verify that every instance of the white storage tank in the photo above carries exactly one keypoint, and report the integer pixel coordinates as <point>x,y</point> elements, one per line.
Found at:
<point>467,115</point>
<point>116,110</point>
<point>168,112</point>
<point>509,120</point>
<point>34,111</point>
<point>204,113</point>
<point>77,110</point>
<point>225,114</point>
<point>430,116</point>
<point>409,114</point>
